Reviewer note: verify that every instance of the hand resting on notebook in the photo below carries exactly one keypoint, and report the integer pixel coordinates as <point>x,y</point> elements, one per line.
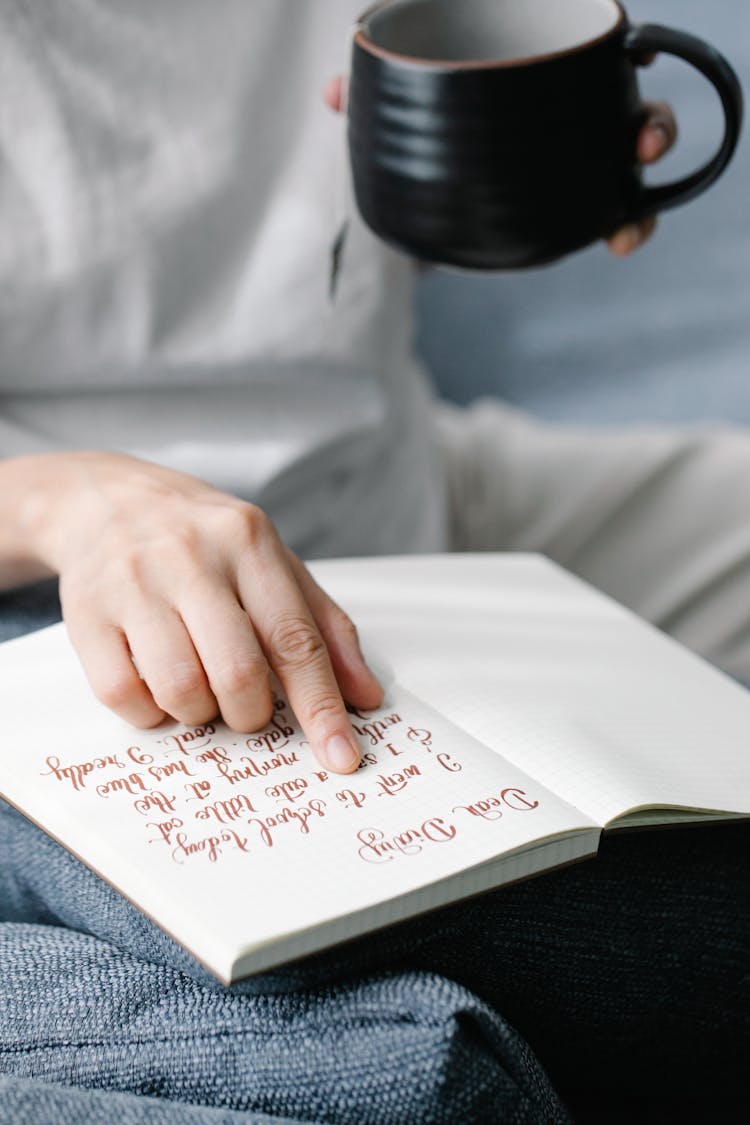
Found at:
<point>179,598</point>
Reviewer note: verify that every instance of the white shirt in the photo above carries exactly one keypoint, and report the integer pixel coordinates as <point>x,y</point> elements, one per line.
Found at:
<point>168,181</point>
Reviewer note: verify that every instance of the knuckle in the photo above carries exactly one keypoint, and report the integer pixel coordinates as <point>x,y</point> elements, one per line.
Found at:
<point>183,691</point>
<point>187,544</point>
<point>324,708</point>
<point>246,523</point>
<point>131,591</point>
<point>295,643</point>
<point>344,626</point>
<point>240,677</point>
<point>250,719</point>
<point>116,691</point>
<point>132,568</point>
<point>255,517</point>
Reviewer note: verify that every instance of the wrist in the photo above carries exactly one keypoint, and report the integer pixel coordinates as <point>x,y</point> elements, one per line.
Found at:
<point>31,489</point>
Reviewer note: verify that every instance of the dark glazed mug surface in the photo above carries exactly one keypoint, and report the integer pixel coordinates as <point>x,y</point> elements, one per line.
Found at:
<point>470,148</point>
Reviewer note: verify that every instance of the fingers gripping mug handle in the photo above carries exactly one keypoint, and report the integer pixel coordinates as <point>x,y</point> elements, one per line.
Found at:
<point>649,38</point>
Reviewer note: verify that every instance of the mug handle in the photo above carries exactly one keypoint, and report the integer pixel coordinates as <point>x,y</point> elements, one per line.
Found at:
<point>652,37</point>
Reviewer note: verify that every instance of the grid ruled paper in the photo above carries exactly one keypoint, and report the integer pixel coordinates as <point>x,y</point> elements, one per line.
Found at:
<point>573,688</point>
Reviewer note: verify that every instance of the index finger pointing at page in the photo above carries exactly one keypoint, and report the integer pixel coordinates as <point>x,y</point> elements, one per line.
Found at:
<point>298,655</point>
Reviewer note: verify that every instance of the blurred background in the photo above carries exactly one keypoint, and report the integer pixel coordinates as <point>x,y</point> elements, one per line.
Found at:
<point>661,337</point>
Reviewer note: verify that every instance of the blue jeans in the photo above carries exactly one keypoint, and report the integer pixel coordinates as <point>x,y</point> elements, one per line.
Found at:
<point>628,977</point>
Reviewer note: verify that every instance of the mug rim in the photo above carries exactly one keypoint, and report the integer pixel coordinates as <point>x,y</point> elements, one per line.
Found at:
<point>363,40</point>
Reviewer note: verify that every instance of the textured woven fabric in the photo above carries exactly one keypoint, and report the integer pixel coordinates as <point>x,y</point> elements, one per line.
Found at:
<point>405,1048</point>
<point>27,1102</point>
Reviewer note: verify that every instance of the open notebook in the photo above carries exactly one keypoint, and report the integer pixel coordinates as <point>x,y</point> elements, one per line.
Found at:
<point>524,714</point>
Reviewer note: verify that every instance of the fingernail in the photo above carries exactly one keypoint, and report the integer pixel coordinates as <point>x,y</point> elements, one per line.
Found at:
<point>628,238</point>
<point>661,134</point>
<point>340,754</point>
<point>654,142</point>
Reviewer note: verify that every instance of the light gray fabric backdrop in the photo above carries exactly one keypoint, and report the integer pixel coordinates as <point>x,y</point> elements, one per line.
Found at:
<point>661,337</point>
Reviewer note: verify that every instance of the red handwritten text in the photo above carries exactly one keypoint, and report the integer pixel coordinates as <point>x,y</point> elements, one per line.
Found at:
<point>229,810</point>
<point>253,768</point>
<point>390,784</point>
<point>77,774</point>
<point>288,790</point>
<point>212,846</point>
<point>155,800</point>
<point>375,848</point>
<point>351,800</point>
<point>490,808</point>
<point>300,816</point>
<point>183,741</point>
<point>376,730</point>
<point>131,785</point>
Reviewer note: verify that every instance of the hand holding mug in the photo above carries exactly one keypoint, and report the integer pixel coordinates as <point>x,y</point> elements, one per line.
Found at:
<point>656,137</point>
<point>498,134</point>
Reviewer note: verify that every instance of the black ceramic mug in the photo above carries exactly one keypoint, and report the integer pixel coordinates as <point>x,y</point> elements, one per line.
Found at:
<point>496,134</point>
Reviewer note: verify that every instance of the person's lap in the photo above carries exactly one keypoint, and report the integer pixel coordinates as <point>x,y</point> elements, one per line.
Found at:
<point>627,974</point>
<point>96,997</point>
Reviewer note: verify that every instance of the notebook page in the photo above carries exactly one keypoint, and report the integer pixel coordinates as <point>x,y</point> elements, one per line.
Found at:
<point>574,689</point>
<point>231,843</point>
